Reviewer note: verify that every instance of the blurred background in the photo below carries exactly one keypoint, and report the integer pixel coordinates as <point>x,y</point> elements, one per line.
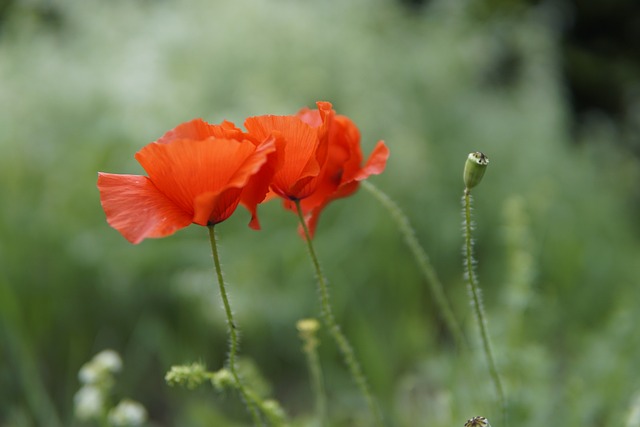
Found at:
<point>549,90</point>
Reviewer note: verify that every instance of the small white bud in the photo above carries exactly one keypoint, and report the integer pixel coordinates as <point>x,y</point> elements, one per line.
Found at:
<point>88,374</point>
<point>100,368</point>
<point>108,360</point>
<point>88,403</point>
<point>128,413</point>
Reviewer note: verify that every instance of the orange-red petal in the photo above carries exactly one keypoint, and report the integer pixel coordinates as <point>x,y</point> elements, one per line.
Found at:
<point>257,188</point>
<point>376,162</point>
<point>135,207</point>
<point>302,145</point>
<point>297,145</point>
<point>215,207</point>
<point>328,191</point>
<point>187,169</point>
<point>198,129</point>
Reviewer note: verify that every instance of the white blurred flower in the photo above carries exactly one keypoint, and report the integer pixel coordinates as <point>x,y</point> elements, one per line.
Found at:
<point>128,413</point>
<point>633,417</point>
<point>88,374</point>
<point>88,402</point>
<point>108,360</point>
<point>100,367</point>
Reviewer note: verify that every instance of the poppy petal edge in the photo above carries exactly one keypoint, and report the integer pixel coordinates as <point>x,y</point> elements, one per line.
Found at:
<point>137,209</point>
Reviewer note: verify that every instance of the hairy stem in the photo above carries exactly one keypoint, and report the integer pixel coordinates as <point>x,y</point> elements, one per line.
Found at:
<point>476,302</point>
<point>308,329</point>
<point>318,385</point>
<point>334,329</point>
<point>422,259</point>
<point>233,333</point>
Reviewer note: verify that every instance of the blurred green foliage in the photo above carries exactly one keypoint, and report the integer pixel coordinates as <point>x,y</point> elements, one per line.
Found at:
<point>86,84</point>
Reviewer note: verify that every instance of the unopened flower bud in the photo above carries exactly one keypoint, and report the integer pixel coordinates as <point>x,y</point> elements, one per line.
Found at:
<point>190,376</point>
<point>474,169</point>
<point>274,410</point>
<point>222,379</point>
<point>307,329</point>
<point>308,326</point>
<point>477,421</point>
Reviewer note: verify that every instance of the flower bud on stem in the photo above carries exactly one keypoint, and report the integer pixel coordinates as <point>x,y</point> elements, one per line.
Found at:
<point>474,170</point>
<point>477,422</point>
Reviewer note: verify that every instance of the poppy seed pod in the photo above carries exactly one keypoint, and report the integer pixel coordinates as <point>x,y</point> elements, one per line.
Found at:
<point>474,169</point>
<point>477,421</point>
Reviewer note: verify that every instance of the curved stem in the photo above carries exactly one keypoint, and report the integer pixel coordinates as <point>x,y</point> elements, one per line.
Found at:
<point>476,301</point>
<point>422,259</point>
<point>233,333</point>
<point>334,329</point>
<point>318,386</point>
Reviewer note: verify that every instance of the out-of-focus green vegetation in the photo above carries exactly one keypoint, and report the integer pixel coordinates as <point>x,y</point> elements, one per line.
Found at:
<point>85,84</point>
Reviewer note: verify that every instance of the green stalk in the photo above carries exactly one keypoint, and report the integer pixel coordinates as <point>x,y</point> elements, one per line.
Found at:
<point>476,302</point>
<point>233,333</point>
<point>318,385</point>
<point>422,259</point>
<point>334,329</point>
<point>308,329</point>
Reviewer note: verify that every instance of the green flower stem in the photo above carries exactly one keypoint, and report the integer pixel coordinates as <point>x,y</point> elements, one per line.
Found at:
<point>476,302</point>
<point>233,333</point>
<point>308,329</point>
<point>422,259</point>
<point>334,329</point>
<point>318,385</point>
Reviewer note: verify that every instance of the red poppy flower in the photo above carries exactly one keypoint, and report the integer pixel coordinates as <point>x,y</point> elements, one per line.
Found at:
<point>319,158</point>
<point>301,146</point>
<point>197,173</point>
<point>342,171</point>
